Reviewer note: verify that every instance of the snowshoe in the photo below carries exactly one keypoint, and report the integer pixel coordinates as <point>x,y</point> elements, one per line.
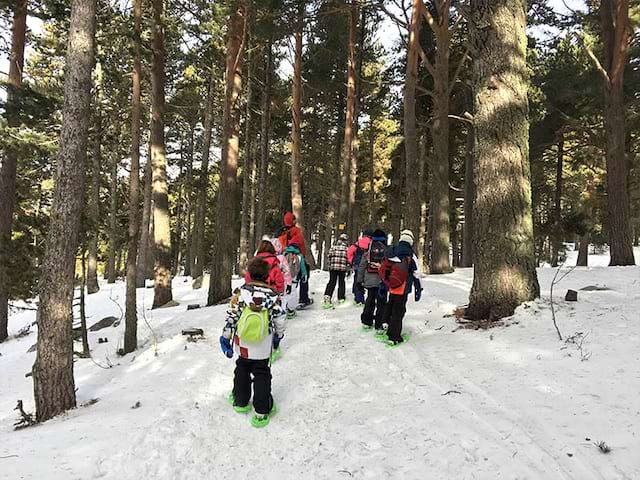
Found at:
<point>232,400</point>
<point>275,355</point>
<point>327,305</point>
<point>262,420</point>
<point>342,301</point>
<point>304,305</point>
<point>358,304</point>
<point>366,328</point>
<point>380,333</point>
<point>291,314</point>
<point>396,344</point>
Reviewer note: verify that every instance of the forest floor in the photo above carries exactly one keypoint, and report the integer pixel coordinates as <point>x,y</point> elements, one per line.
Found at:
<point>511,402</point>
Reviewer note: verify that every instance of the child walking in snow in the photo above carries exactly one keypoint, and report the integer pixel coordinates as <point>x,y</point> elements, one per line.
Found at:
<point>338,266</point>
<point>255,325</point>
<point>368,277</point>
<point>354,255</point>
<point>267,252</point>
<point>295,249</point>
<point>399,271</point>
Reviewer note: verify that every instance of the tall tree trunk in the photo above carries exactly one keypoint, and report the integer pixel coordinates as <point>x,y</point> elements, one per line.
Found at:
<point>265,128</point>
<point>224,246</point>
<point>616,34</point>
<point>467,229</point>
<point>94,200</point>
<point>583,251</point>
<point>188,204</point>
<point>440,172</point>
<point>161,222</point>
<point>86,351</point>
<point>111,272</point>
<point>10,161</point>
<point>412,180</point>
<point>53,383</point>
<point>143,256</point>
<point>350,117</point>
<point>131,313</point>
<point>557,208</point>
<point>249,160</point>
<point>504,273</point>
<point>203,184</point>
<point>296,112</point>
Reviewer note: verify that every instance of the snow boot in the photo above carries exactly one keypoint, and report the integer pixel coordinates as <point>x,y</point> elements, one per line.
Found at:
<point>327,303</point>
<point>261,420</point>
<point>304,305</point>
<point>366,328</point>
<point>342,301</point>
<point>232,400</point>
<point>395,343</point>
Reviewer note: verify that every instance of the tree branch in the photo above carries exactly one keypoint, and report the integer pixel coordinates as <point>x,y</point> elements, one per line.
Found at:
<point>456,74</point>
<point>426,61</point>
<point>594,60</point>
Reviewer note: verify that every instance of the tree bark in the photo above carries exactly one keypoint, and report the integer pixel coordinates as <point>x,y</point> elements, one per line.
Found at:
<point>86,351</point>
<point>265,128</point>
<point>467,229</point>
<point>131,312</point>
<point>583,251</point>
<point>439,205</point>
<point>557,208</point>
<point>504,273</point>
<point>350,117</point>
<point>143,254</point>
<point>296,112</point>
<point>94,201</point>
<point>616,34</point>
<point>412,180</point>
<point>113,208</point>
<point>161,221</point>
<point>203,184</point>
<point>8,170</point>
<point>249,159</point>
<point>188,261</point>
<point>224,246</point>
<point>53,382</point>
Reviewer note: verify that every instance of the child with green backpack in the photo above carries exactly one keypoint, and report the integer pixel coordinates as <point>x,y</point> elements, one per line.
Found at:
<point>255,325</point>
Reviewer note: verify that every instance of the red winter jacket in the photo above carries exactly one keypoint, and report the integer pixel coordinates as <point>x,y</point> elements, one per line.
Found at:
<point>292,235</point>
<point>363,244</point>
<point>276,279</point>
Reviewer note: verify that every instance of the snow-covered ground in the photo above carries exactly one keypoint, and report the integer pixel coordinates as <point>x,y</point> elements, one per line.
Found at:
<point>527,407</point>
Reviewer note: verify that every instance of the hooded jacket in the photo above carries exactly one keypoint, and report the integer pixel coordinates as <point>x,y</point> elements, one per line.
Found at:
<point>292,235</point>
<point>259,294</point>
<point>363,245</point>
<point>396,254</point>
<point>276,277</point>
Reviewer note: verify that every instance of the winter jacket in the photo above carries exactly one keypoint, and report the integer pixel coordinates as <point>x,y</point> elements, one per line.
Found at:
<point>291,234</point>
<point>258,294</point>
<point>364,276</point>
<point>338,257</point>
<point>357,250</point>
<point>396,254</point>
<point>276,278</point>
<point>284,268</point>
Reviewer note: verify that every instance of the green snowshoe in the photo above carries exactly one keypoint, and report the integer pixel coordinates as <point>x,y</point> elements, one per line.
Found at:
<point>232,401</point>
<point>260,421</point>
<point>405,338</point>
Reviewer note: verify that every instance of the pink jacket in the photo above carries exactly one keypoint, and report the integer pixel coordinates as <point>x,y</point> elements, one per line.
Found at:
<point>363,243</point>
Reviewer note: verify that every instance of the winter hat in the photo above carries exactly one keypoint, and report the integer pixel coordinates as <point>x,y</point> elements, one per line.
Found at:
<point>289,219</point>
<point>377,233</point>
<point>344,237</point>
<point>407,236</point>
<point>367,232</point>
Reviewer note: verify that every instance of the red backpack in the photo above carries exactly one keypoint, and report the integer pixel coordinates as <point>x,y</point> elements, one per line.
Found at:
<point>394,274</point>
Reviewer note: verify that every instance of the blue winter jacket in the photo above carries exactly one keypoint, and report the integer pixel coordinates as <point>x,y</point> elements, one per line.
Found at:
<point>403,250</point>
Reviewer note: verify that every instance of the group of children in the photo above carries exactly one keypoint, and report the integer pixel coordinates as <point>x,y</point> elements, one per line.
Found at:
<point>384,275</point>
<point>383,279</point>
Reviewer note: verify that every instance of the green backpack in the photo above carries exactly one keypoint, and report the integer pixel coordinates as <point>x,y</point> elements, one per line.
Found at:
<point>253,327</point>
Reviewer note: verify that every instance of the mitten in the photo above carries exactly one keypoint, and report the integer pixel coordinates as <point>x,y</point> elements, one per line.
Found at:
<point>418,294</point>
<point>225,346</point>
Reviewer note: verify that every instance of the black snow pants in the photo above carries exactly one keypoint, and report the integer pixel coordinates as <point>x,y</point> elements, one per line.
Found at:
<point>261,372</point>
<point>336,276</point>
<point>393,315</point>
<point>374,308</point>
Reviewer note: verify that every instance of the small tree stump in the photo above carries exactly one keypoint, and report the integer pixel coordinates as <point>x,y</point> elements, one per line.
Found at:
<point>571,296</point>
<point>194,334</point>
<point>193,306</point>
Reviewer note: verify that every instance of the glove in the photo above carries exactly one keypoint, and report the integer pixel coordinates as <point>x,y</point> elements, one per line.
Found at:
<point>418,294</point>
<point>288,289</point>
<point>276,341</point>
<point>225,346</point>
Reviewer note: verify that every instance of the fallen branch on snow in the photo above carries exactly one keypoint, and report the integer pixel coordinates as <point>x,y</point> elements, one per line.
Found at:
<point>451,391</point>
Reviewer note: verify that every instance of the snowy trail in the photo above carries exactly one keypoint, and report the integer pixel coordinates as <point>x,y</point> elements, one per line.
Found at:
<point>348,406</point>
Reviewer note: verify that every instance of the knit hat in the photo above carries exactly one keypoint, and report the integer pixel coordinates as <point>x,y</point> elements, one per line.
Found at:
<point>344,237</point>
<point>407,236</point>
<point>377,233</point>
<point>367,232</point>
